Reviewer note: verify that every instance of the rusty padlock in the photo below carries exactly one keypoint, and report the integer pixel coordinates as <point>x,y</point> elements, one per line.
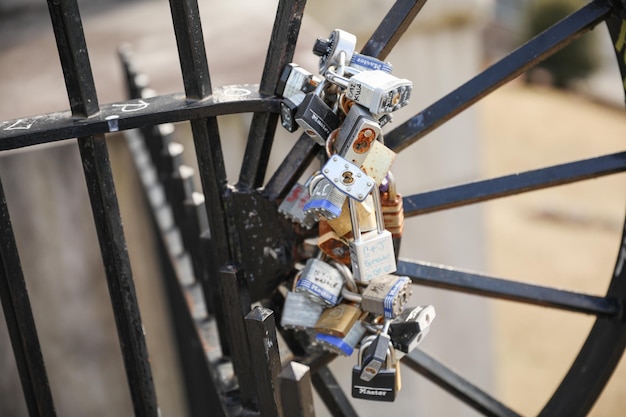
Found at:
<point>393,211</point>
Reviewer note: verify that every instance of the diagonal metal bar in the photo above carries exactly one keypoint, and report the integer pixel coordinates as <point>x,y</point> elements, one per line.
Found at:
<point>438,276</point>
<point>292,167</point>
<point>529,54</point>
<point>331,393</point>
<point>392,27</point>
<point>81,91</point>
<point>263,128</point>
<point>453,383</point>
<point>21,323</point>
<point>504,186</point>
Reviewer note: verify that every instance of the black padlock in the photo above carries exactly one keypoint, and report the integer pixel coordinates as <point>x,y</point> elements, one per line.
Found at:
<point>316,118</point>
<point>383,386</point>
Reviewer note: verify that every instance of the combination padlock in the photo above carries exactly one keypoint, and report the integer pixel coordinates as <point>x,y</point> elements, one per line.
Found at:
<point>316,118</point>
<point>292,206</point>
<point>356,135</point>
<point>299,312</point>
<point>321,282</point>
<point>384,385</point>
<point>371,253</point>
<point>326,200</point>
<point>338,320</point>
<point>329,50</point>
<point>386,295</point>
<point>393,210</point>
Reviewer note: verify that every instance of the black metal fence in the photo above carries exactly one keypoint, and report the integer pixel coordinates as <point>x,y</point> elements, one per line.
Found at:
<point>204,250</point>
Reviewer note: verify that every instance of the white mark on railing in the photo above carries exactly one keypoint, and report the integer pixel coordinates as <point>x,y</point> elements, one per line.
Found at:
<point>130,107</point>
<point>21,124</point>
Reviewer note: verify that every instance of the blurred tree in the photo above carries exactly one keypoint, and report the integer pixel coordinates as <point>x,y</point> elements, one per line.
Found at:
<point>575,61</point>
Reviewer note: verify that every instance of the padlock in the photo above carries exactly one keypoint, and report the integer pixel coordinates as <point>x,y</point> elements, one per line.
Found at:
<point>356,135</point>
<point>367,218</point>
<point>378,162</point>
<point>338,320</point>
<point>321,282</point>
<point>342,346</point>
<point>294,79</point>
<point>409,328</point>
<point>393,210</point>
<point>329,50</point>
<point>326,200</point>
<point>386,295</point>
<point>371,253</point>
<point>364,63</point>
<point>316,118</point>
<point>292,206</point>
<point>381,387</point>
<point>348,177</point>
<point>299,312</point>
<point>378,91</point>
<point>333,245</point>
<point>288,109</point>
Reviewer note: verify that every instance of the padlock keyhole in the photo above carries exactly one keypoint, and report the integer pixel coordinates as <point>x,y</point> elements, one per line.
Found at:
<point>348,177</point>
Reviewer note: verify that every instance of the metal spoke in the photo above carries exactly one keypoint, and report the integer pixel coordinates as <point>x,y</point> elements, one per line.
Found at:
<point>292,167</point>
<point>392,27</point>
<point>331,394</point>
<point>279,53</point>
<point>456,385</point>
<point>536,50</point>
<point>437,276</point>
<point>21,323</point>
<point>490,189</point>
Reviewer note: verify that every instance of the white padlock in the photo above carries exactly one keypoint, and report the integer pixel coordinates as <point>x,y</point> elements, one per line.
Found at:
<point>371,253</point>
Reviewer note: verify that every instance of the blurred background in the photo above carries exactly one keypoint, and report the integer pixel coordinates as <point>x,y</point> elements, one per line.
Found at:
<point>569,109</point>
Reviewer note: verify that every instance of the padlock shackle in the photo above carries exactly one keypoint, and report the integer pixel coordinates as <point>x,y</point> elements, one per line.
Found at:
<point>354,220</point>
<point>378,210</point>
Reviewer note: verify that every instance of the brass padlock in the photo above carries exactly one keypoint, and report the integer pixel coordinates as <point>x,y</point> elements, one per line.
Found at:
<point>393,211</point>
<point>367,220</point>
<point>338,320</point>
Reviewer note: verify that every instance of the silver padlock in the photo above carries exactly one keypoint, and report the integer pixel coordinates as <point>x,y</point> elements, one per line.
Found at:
<point>371,254</point>
<point>292,206</point>
<point>377,91</point>
<point>386,295</point>
<point>326,200</point>
<point>299,312</point>
<point>409,328</point>
<point>348,177</point>
<point>294,79</point>
<point>321,282</point>
<point>356,135</point>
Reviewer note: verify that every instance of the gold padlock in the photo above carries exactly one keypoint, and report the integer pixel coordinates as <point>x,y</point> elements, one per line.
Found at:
<point>378,161</point>
<point>393,211</point>
<point>332,244</point>
<point>367,220</point>
<point>338,320</point>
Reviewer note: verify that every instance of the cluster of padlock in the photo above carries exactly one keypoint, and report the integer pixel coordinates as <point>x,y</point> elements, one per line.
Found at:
<point>347,297</point>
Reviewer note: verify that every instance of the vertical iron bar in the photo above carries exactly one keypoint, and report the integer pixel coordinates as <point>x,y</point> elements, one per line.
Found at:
<point>295,390</point>
<point>81,91</point>
<point>235,303</point>
<point>261,330</point>
<point>279,53</point>
<point>197,81</point>
<point>21,323</point>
